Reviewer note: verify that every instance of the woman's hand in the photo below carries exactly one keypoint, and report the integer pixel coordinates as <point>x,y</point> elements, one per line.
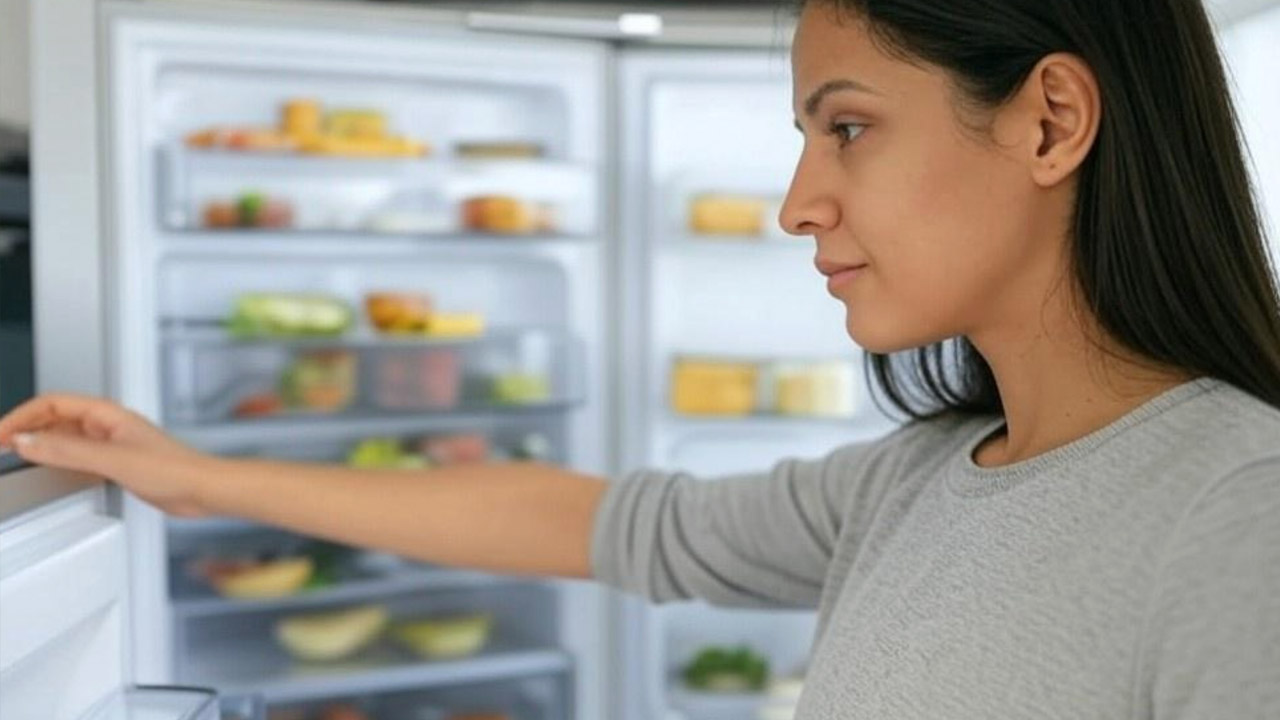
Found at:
<point>104,439</point>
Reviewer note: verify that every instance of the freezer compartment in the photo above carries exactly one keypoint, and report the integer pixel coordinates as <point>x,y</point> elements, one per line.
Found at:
<point>213,378</point>
<point>532,698</point>
<point>247,194</point>
<point>414,639</point>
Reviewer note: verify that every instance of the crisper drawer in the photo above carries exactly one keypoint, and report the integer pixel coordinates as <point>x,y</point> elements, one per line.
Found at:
<point>213,378</point>
<point>394,642</point>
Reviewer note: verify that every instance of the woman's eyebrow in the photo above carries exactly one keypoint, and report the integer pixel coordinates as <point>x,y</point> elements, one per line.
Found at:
<point>815,98</point>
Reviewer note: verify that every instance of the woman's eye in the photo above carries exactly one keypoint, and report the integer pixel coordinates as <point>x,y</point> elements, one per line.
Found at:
<point>847,132</point>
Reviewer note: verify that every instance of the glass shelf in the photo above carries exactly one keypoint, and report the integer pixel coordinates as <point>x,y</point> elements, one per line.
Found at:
<point>216,379</point>
<point>314,195</point>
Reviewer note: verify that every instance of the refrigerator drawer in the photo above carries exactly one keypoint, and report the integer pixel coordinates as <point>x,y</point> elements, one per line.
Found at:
<point>398,641</point>
<point>213,378</point>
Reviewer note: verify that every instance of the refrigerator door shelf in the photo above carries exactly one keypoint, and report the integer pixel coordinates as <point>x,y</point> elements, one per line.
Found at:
<point>206,189</point>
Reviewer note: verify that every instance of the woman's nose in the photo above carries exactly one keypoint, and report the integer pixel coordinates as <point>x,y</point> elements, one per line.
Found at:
<point>808,208</point>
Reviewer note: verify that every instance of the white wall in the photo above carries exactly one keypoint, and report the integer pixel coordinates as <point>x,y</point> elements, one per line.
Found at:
<point>15,65</point>
<point>1252,51</point>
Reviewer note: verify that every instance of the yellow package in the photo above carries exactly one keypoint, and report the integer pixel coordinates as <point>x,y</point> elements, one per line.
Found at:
<point>714,388</point>
<point>455,325</point>
<point>714,214</point>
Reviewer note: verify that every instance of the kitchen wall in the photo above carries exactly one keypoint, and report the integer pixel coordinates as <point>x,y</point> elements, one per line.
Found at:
<point>15,102</point>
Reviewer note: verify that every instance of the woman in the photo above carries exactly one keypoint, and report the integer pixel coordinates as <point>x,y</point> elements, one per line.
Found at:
<point>1038,219</point>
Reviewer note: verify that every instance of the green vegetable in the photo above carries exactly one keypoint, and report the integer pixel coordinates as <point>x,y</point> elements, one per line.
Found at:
<point>379,453</point>
<point>259,314</point>
<point>249,206</point>
<point>727,670</point>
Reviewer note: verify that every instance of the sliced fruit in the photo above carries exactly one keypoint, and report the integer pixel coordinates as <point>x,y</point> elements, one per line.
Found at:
<point>331,636</point>
<point>267,580</point>
<point>448,637</point>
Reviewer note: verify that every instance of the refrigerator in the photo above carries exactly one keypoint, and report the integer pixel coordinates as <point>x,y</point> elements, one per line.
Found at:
<point>589,200</point>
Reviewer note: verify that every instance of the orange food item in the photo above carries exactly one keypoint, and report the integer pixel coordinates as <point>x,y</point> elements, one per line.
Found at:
<point>221,215</point>
<point>398,312</point>
<point>301,118</point>
<point>503,214</point>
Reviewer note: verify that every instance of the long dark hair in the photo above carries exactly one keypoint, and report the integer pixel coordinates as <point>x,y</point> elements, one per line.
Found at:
<point>1168,251</point>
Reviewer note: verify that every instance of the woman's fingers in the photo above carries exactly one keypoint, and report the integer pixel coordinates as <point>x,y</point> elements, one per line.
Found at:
<point>69,451</point>
<point>48,410</point>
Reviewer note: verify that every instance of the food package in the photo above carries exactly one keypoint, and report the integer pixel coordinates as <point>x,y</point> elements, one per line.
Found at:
<point>456,449</point>
<point>398,312</point>
<point>287,315</point>
<point>505,150</point>
<point>242,139</point>
<point>445,637</point>
<point>259,405</point>
<point>418,379</point>
<point>721,214</point>
<point>814,389</point>
<point>302,118</point>
<point>507,215</point>
<point>331,636</point>
<point>703,387</point>
<point>320,381</point>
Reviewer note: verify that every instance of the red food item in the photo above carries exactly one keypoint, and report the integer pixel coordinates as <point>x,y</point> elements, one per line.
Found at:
<point>419,379</point>
<point>456,449</point>
<point>276,214</point>
<point>259,405</point>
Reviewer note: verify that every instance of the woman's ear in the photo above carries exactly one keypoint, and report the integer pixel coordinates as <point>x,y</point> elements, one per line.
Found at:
<point>1063,108</point>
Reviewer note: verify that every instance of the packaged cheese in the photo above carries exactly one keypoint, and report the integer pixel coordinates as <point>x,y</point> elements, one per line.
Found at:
<point>723,214</point>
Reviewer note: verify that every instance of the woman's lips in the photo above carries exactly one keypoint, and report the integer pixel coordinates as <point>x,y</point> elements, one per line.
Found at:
<point>839,274</point>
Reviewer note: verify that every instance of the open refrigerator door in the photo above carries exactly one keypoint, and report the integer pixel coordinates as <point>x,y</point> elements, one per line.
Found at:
<point>740,355</point>
<point>359,237</point>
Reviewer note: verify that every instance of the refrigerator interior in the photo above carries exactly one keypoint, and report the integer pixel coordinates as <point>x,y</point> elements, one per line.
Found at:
<point>440,118</point>
<point>725,291</point>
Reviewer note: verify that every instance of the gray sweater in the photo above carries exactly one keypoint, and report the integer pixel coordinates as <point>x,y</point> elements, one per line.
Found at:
<point>1132,573</point>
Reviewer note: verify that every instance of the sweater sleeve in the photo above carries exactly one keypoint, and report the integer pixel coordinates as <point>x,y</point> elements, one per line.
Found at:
<point>755,540</point>
<point>1214,644</point>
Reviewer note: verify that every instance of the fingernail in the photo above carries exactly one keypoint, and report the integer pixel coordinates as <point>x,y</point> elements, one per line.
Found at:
<point>24,439</point>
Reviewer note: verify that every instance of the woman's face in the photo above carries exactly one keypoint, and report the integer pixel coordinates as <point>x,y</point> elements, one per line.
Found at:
<point>941,218</point>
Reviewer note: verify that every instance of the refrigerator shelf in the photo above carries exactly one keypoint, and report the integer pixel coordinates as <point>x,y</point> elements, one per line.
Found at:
<point>742,243</point>
<point>215,379</point>
<point>232,437</point>
<point>237,241</point>
<point>203,189</point>
<point>411,579</point>
<point>238,668</point>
